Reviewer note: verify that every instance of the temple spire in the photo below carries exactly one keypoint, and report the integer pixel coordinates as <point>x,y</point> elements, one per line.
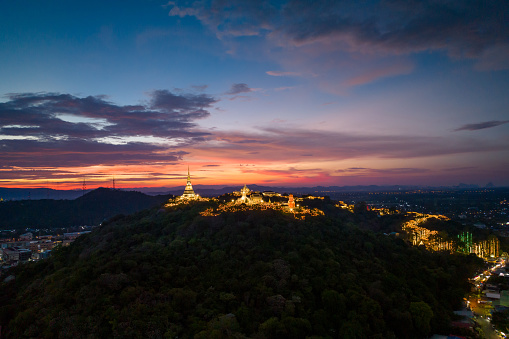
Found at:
<point>188,191</point>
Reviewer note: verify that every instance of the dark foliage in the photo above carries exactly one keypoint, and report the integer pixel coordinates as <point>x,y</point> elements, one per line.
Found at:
<point>90,209</point>
<point>262,274</point>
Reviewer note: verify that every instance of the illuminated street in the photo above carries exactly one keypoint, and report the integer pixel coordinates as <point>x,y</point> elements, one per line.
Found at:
<point>481,308</point>
<point>489,332</point>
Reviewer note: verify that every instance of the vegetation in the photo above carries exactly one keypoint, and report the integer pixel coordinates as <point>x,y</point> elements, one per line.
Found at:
<point>90,209</point>
<point>260,274</point>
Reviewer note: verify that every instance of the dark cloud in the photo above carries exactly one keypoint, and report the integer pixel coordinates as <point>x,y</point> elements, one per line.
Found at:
<point>76,153</point>
<point>241,18</point>
<point>181,107</point>
<point>167,115</point>
<point>290,145</point>
<point>53,129</point>
<point>239,88</point>
<point>481,125</point>
<point>463,29</point>
<point>199,88</point>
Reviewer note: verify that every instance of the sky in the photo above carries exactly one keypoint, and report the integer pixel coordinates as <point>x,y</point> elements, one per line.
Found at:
<point>277,93</point>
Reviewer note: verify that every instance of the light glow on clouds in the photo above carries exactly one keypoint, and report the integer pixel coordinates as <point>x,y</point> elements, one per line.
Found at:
<point>98,123</point>
<point>19,126</point>
<point>268,92</point>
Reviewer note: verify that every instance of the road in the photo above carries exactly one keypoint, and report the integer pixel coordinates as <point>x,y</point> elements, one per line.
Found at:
<point>489,332</point>
<point>483,309</point>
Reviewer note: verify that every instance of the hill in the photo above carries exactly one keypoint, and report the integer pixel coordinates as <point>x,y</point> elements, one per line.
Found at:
<point>167,273</point>
<point>89,209</point>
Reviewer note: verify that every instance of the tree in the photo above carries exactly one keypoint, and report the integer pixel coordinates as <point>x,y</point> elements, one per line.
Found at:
<point>421,315</point>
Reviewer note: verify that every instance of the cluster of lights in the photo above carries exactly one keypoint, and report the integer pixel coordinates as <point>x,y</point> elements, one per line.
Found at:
<point>424,236</point>
<point>179,201</point>
<point>344,206</point>
<point>299,212</point>
<point>430,238</point>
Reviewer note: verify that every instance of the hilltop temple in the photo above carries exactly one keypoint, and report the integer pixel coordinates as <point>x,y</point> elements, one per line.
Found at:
<point>188,191</point>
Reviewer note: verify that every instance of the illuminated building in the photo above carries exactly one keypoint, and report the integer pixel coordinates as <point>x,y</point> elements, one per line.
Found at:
<point>188,191</point>
<point>271,194</point>
<point>419,235</point>
<point>256,198</point>
<point>244,192</point>
<point>291,202</point>
<point>188,195</point>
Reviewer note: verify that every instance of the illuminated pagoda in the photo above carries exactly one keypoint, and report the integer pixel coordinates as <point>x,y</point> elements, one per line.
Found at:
<point>244,191</point>
<point>188,191</point>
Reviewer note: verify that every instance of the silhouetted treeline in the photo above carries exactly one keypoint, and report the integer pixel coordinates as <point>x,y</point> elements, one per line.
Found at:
<point>90,209</point>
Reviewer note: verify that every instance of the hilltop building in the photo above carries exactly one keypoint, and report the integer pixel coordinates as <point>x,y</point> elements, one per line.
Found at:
<point>188,191</point>
<point>249,197</point>
<point>256,198</point>
<point>291,202</point>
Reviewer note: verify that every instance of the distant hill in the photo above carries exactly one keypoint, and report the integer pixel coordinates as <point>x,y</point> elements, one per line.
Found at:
<point>167,273</point>
<point>89,209</point>
<point>215,190</point>
<point>38,193</point>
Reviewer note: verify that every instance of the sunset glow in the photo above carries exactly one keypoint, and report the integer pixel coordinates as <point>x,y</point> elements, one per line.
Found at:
<point>277,93</point>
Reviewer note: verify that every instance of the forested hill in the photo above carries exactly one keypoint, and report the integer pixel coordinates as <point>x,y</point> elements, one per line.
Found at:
<point>90,209</point>
<point>258,274</point>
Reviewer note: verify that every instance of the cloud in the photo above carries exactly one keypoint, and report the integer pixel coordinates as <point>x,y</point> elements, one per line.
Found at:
<point>494,58</point>
<point>228,19</point>
<point>54,129</point>
<point>481,125</point>
<point>377,171</point>
<point>458,169</point>
<point>375,74</point>
<point>476,29</point>
<point>280,145</point>
<point>200,88</point>
<point>239,88</point>
<point>282,74</point>
<point>400,26</point>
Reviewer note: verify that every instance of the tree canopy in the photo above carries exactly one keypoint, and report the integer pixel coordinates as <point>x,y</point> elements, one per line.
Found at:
<point>264,274</point>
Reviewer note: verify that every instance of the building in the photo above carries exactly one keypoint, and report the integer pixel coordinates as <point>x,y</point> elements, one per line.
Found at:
<point>256,198</point>
<point>291,202</point>
<point>39,246</point>
<point>271,194</point>
<point>15,254</point>
<point>26,237</point>
<point>41,255</point>
<point>188,191</point>
<point>244,192</point>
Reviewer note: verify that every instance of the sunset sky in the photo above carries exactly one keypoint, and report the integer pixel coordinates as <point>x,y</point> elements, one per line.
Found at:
<point>282,93</point>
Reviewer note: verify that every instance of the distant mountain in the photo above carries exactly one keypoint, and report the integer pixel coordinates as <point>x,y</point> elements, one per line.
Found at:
<point>208,190</point>
<point>38,193</point>
<point>89,209</point>
<point>215,190</point>
<point>466,186</point>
